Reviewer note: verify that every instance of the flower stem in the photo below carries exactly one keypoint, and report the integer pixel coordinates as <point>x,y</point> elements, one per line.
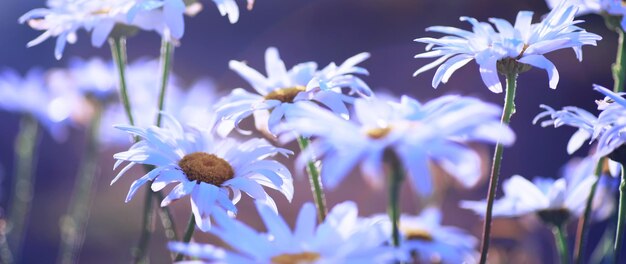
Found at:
<point>583,224</point>
<point>74,222</point>
<point>621,217</point>
<point>191,226</point>
<point>316,183</point>
<point>560,238</point>
<point>619,67</point>
<point>396,177</point>
<point>167,51</point>
<point>25,152</point>
<point>118,51</point>
<point>509,109</point>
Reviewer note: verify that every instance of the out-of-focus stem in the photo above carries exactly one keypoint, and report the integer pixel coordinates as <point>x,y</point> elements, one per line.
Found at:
<point>560,238</point>
<point>621,218</point>
<point>74,222</point>
<point>583,224</point>
<point>24,180</point>
<point>191,226</point>
<point>395,179</point>
<point>619,67</point>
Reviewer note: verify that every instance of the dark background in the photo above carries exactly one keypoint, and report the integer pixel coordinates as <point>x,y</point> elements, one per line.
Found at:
<point>323,31</point>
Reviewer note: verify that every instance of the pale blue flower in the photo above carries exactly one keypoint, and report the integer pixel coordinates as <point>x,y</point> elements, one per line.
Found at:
<point>64,18</point>
<point>570,116</point>
<point>607,128</point>
<point>523,43</point>
<point>93,77</point>
<point>32,95</point>
<point>419,134</point>
<point>523,197</point>
<point>341,238</point>
<point>212,172</point>
<point>577,171</point>
<point>600,7</point>
<point>430,241</point>
<point>282,88</point>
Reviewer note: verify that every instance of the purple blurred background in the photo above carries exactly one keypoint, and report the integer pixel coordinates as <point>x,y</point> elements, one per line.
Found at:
<point>323,31</point>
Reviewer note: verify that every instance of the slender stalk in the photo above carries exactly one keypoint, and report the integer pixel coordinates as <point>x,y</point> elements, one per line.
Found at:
<point>118,50</point>
<point>560,238</point>
<point>24,180</point>
<point>167,51</point>
<point>396,177</point>
<point>619,67</point>
<point>621,217</point>
<point>74,222</point>
<point>603,253</point>
<point>166,219</point>
<point>583,224</point>
<point>509,109</point>
<point>147,227</point>
<point>316,183</point>
<point>191,226</point>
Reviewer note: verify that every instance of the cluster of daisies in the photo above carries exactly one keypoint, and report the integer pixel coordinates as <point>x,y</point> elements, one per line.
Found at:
<point>202,150</point>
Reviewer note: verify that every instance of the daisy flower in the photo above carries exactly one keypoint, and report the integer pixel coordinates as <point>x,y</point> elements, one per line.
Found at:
<point>554,201</point>
<point>31,95</point>
<point>578,170</point>
<point>427,239</point>
<point>419,134</point>
<point>282,88</point>
<point>606,128</point>
<point>600,7</point>
<point>341,238</point>
<point>64,18</point>
<point>507,48</point>
<point>212,172</point>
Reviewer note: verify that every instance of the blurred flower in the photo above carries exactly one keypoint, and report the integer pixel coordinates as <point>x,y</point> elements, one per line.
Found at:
<point>93,78</point>
<point>32,95</point>
<point>513,48</point>
<point>577,171</point>
<point>282,88</point>
<point>418,134</point>
<point>339,239</point>
<point>554,201</point>
<point>63,18</point>
<point>600,7</point>
<point>425,237</point>
<point>206,169</point>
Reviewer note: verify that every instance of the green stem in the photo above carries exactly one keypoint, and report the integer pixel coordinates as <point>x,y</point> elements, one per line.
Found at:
<point>396,177</point>
<point>24,180</point>
<point>118,50</point>
<point>166,219</point>
<point>560,238</point>
<point>147,227</point>
<point>74,222</point>
<point>619,67</point>
<point>191,226</point>
<point>583,225</point>
<point>621,217</point>
<point>167,50</point>
<point>603,253</point>
<point>509,109</point>
<point>316,183</point>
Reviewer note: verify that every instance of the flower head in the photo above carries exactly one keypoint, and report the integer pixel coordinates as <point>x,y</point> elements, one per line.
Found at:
<point>419,134</point>
<point>554,201</point>
<point>32,95</point>
<point>512,48</point>
<point>601,7</point>
<point>607,128</point>
<point>203,168</point>
<point>64,18</point>
<point>339,239</point>
<point>424,236</point>
<point>282,88</point>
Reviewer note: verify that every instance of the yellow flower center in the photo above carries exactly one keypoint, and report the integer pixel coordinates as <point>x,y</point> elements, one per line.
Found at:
<point>285,95</point>
<point>208,168</point>
<point>378,133</point>
<point>103,11</point>
<point>417,234</point>
<point>297,258</point>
